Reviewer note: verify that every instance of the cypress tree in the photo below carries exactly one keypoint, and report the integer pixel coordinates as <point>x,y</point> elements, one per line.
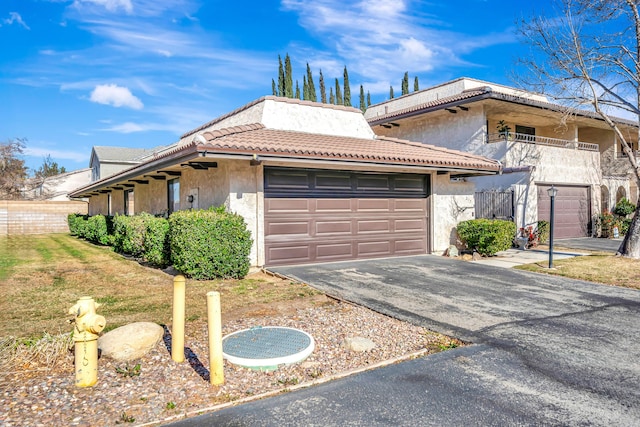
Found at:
<point>347,88</point>
<point>305,88</point>
<point>297,90</point>
<point>368,99</point>
<point>312,86</point>
<point>339,100</point>
<point>363,107</point>
<point>332,99</point>
<point>323,90</point>
<point>280,77</point>
<point>405,83</point>
<point>273,88</point>
<point>416,86</point>
<point>390,92</point>
<point>288,78</point>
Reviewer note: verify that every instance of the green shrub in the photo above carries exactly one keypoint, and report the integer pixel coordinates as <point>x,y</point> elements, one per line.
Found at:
<point>625,224</point>
<point>624,208</point>
<point>79,225</point>
<point>543,231</point>
<point>99,229</point>
<point>128,233</point>
<point>209,243</point>
<point>487,236</point>
<point>156,241</point>
<point>76,225</point>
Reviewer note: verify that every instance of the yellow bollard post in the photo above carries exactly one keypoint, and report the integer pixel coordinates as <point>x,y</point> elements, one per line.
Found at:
<point>216,368</point>
<point>88,325</point>
<point>177,332</point>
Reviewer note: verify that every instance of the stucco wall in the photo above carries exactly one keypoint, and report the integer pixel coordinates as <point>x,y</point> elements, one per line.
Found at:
<point>451,203</point>
<point>464,131</point>
<point>98,205</point>
<point>152,197</point>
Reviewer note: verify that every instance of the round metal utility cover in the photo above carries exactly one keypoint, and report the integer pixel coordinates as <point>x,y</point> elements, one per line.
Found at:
<point>265,348</point>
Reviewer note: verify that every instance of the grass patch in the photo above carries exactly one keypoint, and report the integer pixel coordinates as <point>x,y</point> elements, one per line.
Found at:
<point>42,276</point>
<point>600,268</point>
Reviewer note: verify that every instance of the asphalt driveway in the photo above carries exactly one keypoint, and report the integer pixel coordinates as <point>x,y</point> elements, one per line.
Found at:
<point>546,351</point>
<point>590,244</point>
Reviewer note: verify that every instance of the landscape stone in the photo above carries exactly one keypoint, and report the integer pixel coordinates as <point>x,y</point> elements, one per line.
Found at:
<point>358,344</point>
<point>452,251</point>
<point>131,341</point>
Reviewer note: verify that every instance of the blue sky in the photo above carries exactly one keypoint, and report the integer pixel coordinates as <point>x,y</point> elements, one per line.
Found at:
<point>139,73</point>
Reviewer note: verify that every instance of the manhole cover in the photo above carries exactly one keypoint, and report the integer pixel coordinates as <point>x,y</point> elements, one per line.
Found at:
<point>265,348</point>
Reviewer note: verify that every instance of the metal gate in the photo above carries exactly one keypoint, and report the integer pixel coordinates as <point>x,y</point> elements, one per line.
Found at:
<point>494,204</point>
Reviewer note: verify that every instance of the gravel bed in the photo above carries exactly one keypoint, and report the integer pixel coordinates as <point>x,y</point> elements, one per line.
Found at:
<point>165,391</point>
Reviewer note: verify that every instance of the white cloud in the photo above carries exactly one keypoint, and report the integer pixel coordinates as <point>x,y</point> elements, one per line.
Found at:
<point>76,156</point>
<point>379,40</point>
<point>116,96</point>
<point>14,17</point>
<point>130,127</point>
<point>110,5</point>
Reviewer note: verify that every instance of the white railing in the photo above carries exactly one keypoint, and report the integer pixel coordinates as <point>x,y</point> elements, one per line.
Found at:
<point>542,140</point>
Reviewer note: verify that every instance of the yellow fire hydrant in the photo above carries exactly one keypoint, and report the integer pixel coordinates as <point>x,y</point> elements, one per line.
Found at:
<point>88,325</point>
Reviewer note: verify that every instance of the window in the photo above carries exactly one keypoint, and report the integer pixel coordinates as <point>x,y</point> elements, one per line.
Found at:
<point>526,130</point>
<point>128,202</point>
<point>173,194</point>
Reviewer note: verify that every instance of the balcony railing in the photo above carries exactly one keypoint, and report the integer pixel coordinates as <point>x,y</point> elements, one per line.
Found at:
<point>542,140</point>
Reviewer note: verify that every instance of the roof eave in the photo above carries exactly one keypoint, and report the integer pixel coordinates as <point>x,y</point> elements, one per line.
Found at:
<point>144,168</point>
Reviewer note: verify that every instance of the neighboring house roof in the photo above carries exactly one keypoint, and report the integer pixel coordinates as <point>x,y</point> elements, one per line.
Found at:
<point>109,154</point>
<point>480,94</point>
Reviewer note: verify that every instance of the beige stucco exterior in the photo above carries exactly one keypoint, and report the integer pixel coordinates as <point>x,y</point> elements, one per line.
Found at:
<point>566,150</point>
<point>236,180</point>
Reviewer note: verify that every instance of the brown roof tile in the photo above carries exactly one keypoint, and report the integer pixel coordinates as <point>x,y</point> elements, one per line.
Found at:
<point>256,139</point>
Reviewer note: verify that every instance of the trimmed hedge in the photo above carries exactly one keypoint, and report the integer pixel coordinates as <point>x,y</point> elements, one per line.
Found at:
<point>144,236</point>
<point>128,233</point>
<point>77,224</point>
<point>487,236</point>
<point>156,241</point>
<point>202,244</point>
<point>206,244</point>
<point>99,229</point>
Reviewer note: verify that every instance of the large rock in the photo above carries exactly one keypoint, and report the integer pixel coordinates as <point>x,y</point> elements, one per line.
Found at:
<point>131,341</point>
<point>358,344</point>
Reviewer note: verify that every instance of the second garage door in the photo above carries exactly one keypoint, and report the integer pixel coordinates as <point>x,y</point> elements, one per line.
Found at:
<point>572,210</point>
<point>317,215</point>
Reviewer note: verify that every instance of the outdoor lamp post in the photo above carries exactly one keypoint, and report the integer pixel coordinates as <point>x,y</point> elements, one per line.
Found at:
<point>552,191</point>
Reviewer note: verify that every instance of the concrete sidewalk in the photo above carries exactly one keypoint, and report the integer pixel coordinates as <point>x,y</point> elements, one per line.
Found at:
<point>514,257</point>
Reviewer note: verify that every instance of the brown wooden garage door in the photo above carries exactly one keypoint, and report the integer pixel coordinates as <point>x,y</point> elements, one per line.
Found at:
<point>317,216</point>
<point>572,216</point>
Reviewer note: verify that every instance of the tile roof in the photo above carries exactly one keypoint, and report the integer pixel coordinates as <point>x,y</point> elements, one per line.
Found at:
<point>438,103</point>
<point>481,93</point>
<point>256,139</point>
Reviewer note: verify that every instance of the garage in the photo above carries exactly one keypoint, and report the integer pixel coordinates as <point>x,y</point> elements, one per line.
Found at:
<point>572,216</point>
<point>314,215</point>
